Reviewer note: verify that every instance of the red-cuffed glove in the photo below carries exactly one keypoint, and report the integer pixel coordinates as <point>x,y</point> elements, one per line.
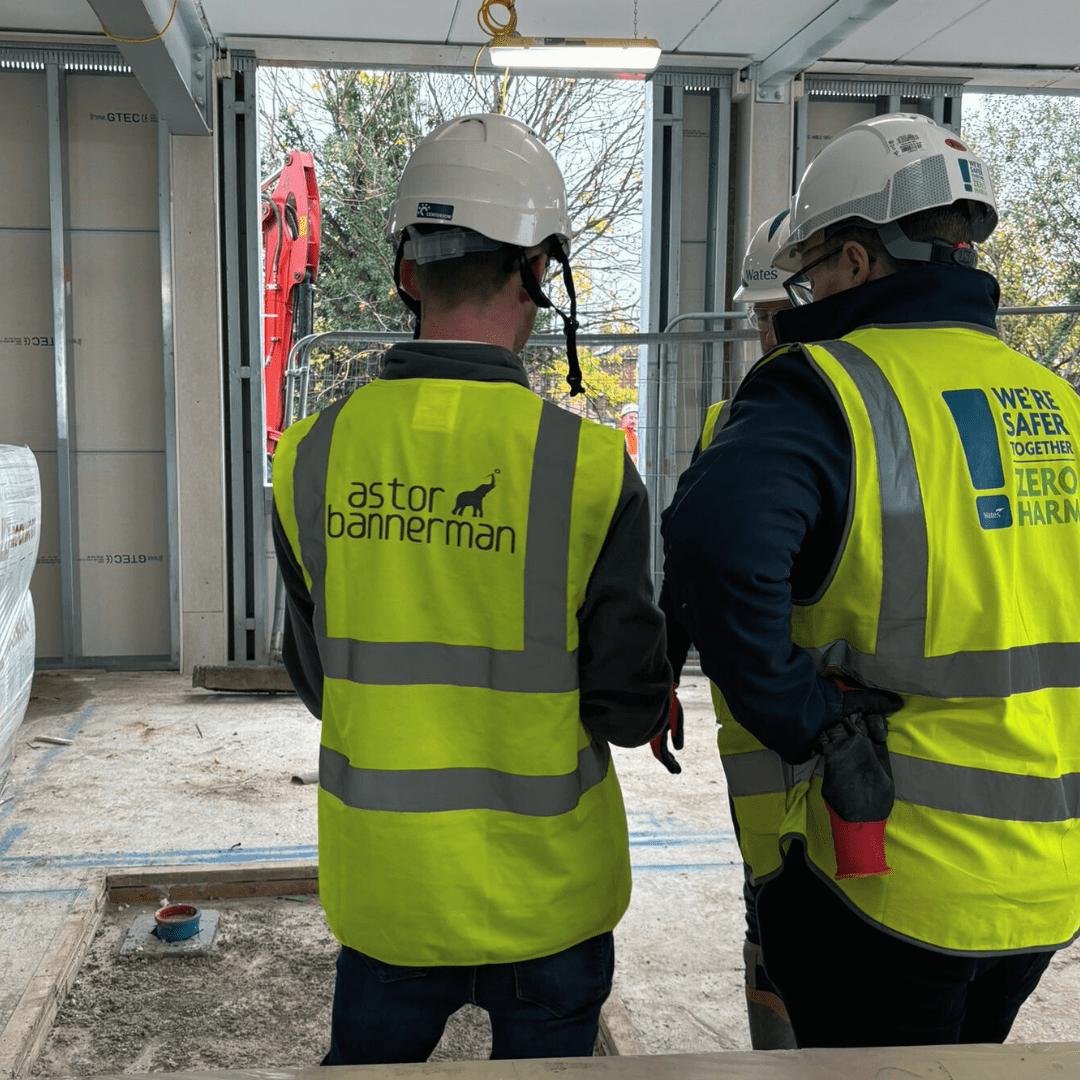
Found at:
<point>675,726</point>
<point>857,785</point>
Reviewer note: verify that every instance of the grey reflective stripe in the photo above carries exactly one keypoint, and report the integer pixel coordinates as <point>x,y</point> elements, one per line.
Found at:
<point>309,504</point>
<point>1021,670</point>
<point>900,662</point>
<point>537,670</point>
<point>545,665</point>
<point>722,418</point>
<point>983,793</point>
<point>431,791</point>
<point>759,772</point>
<point>958,789</point>
<point>905,553</point>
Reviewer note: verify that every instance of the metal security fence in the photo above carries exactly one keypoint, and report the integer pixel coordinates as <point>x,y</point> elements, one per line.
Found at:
<point>679,374</point>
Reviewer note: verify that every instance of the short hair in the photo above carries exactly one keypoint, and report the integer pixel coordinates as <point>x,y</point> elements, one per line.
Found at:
<point>949,223</point>
<point>475,277</point>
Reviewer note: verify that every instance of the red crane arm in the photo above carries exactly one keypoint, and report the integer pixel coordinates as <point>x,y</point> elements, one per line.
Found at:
<point>290,233</point>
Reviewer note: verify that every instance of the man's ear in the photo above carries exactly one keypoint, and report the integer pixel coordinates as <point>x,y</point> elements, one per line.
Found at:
<point>856,263</point>
<point>408,278</point>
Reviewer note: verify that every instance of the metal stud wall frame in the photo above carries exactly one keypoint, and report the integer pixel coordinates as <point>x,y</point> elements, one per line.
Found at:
<point>100,592</point>
<point>248,493</point>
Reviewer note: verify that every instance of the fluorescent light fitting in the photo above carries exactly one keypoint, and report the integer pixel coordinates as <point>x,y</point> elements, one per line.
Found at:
<point>605,54</point>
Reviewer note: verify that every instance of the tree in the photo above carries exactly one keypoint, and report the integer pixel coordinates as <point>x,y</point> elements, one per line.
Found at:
<point>1030,144</point>
<point>361,128</point>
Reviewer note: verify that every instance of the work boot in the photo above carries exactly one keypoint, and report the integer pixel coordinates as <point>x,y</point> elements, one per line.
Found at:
<point>770,1028</point>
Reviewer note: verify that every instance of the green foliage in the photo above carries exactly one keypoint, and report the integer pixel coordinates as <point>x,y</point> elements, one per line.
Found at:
<point>361,128</point>
<point>1032,145</point>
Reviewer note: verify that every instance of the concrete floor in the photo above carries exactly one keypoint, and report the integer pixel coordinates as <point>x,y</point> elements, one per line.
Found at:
<point>160,774</point>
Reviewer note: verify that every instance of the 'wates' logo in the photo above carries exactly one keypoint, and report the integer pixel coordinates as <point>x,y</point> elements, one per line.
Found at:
<point>419,514</point>
<point>994,511</point>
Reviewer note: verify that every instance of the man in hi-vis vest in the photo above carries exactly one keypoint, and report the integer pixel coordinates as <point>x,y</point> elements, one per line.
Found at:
<point>762,289</point>
<point>878,558</point>
<point>470,615</point>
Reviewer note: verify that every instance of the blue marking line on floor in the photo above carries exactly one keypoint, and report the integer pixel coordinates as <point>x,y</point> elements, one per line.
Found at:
<point>10,837</point>
<point>663,840</point>
<point>48,755</point>
<point>72,731</point>
<point>215,856</point>
<point>19,896</point>
<point>122,859</point>
<point>678,868</point>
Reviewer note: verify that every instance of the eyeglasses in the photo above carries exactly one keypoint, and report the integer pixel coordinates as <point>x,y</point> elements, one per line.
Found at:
<point>799,288</point>
<point>761,318</point>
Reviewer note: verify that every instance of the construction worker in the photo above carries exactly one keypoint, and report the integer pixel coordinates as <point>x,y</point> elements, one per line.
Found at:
<point>628,423</point>
<point>470,615</point>
<point>760,286</point>
<point>761,289</point>
<point>877,558</point>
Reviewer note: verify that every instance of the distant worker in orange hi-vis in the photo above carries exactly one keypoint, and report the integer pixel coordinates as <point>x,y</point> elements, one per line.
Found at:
<point>628,422</point>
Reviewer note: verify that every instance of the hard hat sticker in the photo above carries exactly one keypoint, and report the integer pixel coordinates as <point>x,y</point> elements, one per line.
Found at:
<point>437,211</point>
<point>905,144</point>
<point>971,173</point>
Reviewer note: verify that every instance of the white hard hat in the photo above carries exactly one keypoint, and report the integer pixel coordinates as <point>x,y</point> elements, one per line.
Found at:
<point>489,181</point>
<point>880,170</point>
<point>628,408</point>
<point>488,173</point>
<point>761,281</point>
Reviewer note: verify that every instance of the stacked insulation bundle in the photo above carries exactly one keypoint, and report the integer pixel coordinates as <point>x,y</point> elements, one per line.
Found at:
<point>20,528</point>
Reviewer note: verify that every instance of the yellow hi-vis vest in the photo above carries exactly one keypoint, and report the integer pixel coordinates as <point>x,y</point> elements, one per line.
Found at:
<point>716,416</point>
<point>447,531</point>
<point>956,586</point>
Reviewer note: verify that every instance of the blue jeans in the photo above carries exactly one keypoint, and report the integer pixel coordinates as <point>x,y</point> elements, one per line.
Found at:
<point>549,1007</point>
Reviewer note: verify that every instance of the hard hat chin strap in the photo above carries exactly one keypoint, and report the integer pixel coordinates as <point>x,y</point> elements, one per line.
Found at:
<point>941,252</point>
<point>570,322</point>
<point>409,301</point>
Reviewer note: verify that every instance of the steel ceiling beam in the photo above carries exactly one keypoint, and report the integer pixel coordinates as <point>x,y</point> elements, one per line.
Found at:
<point>835,24</point>
<point>168,52</point>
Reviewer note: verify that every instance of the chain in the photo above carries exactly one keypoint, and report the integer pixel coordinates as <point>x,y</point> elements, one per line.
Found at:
<point>635,18</point>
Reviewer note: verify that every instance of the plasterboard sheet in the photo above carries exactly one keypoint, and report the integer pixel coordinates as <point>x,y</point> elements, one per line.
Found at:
<point>123,572</point>
<point>24,151</point>
<point>697,143</point>
<point>824,119</point>
<point>28,395</point>
<point>117,354</point>
<point>112,153</point>
<point>45,584</point>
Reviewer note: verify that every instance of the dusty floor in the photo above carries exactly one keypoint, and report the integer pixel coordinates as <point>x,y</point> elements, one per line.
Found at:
<point>263,994</point>
<point>159,774</point>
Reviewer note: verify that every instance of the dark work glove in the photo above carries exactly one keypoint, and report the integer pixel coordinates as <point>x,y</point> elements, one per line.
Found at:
<point>858,785</point>
<point>675,726</point>
<point>858,781</point>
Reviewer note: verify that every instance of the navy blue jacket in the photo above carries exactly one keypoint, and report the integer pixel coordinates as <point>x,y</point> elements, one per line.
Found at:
<point>757,520</point>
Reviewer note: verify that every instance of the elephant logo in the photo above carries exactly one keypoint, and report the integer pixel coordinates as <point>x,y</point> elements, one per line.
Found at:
<point>474,499</point>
